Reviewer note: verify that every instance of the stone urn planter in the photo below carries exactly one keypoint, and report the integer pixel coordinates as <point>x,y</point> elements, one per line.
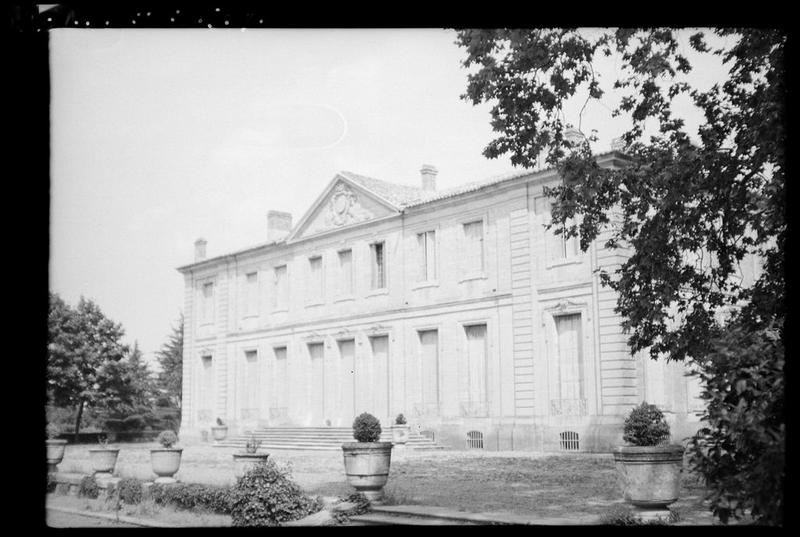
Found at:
<point>103,460</point>
<point>166,460</point>
<point>649,469</point>
<point>400,431</point>
<point>55,453</point>
<point>219,431</point>
<point>245,461</point>
<point>650,475</point>
<point>367,461</point>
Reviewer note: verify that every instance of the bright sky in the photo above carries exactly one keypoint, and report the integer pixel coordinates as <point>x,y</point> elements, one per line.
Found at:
<point>159,137</point>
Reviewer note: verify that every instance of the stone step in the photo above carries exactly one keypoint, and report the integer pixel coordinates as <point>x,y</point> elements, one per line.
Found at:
<point>313,445</point>
<point>380,519</point>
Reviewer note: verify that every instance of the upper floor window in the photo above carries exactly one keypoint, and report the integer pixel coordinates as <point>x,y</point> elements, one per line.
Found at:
<point>473,246</point>
<point>426,249</point>
<point>564,247</point>
<point>251,294</point>
<point>345,283</point>
<point>207,303</point>
<point>314,286</point>
<point>378,255</point>
<point>280,295</point>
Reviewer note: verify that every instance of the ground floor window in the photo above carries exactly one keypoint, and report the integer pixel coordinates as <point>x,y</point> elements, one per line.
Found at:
<point>474,397</point>
<point>568,383</point>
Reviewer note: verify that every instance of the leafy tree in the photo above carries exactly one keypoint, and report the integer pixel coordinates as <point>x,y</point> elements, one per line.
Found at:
<point>170,358</point>
<point>688,207</point>
<point>82,343</point>
<point>127,385</point>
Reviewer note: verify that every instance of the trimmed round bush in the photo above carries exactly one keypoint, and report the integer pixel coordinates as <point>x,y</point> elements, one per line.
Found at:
<point>366,428</point>
<point>52,431</point>
<point>645,426</point>
<point>88,488</point>
<point>167,439</point>
<point>267,496</point>
<point>130,490</point>
<point>400,419</point>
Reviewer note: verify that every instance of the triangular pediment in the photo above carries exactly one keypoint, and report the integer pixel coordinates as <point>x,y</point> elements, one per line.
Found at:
<point>342,204</point>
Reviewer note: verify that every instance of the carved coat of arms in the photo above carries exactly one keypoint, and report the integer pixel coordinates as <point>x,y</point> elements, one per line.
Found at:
<point>344,208</point>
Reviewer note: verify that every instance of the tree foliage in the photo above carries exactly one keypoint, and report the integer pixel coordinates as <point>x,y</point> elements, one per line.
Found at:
<point>88,365</point>
<point>170,358</point>
<point>689,207</point>
<point>81,342</point>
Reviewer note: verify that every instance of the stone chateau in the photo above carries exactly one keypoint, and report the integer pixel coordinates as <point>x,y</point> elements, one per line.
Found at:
<point>454,307</point>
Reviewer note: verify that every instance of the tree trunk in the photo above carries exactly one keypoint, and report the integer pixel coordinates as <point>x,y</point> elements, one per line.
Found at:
<point>78,420</point>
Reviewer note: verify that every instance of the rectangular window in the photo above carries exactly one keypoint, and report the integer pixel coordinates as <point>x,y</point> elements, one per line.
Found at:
<point>346,272</point>
<point>474,395</point>
<point>314,287</point>
<point>473,246</point>
<point>378,266</point>
<point>207,383</point>
<point>251,386</point>
<point>280,386</point>
<point>569,368</point>
<point>429,371</point>
<point>207,309</point>
<point>427,256</point>
<point>280,295</point>
<point>251,294</point>
<point>563,247</point>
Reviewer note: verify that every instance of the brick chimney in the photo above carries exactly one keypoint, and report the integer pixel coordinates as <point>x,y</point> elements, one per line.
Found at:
<point>200,249</point>
<point>428,174</point>
<point>618,144</point>
<point>573,136</point>
<point>279,224</point>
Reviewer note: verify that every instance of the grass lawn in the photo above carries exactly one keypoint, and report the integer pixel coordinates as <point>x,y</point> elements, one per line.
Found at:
<point>531,484</point>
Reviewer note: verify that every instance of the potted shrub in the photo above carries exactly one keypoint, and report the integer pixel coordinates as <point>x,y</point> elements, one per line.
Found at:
<point>103,459</point>
<point>167,459</point>
<point>55,447</point>
<point>400,431</point>
<point>367,460</point>
<point>649,467</point>
<point>245,461</point>
<point>219,431</point>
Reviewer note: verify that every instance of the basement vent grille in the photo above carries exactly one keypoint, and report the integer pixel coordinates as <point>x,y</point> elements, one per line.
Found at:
<point>569,441</point>
<point>474,440</point>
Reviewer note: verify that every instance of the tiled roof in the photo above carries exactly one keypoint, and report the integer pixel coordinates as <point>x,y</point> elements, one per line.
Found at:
<point>403,196</point>
<point>408,196</point>
<point>396,194</point>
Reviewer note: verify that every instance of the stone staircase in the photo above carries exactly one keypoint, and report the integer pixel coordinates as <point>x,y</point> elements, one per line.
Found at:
<point>317,438</point>
<point>419,515</point>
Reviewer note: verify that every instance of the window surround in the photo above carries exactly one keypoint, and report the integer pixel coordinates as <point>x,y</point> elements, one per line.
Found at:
<point>345,297</point>
<point>378,290</point>
<point>202,319</point>
<point>318,300</point>
<point>428,282</point>
<point>484,219</point>
<point>257,298</point>
<point>551,238</point>
<point>277,308</point>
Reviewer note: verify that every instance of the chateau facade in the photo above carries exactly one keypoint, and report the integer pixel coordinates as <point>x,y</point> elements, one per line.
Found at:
<point>456,308</point>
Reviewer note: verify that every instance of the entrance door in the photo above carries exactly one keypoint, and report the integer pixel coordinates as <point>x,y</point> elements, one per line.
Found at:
<point>346,392</point>
<point>429,371</point>
<point>380,376</point>
<point>569,383</point>
<point>476,403</point>
<point>317,396</point>
<point>278,411</point>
